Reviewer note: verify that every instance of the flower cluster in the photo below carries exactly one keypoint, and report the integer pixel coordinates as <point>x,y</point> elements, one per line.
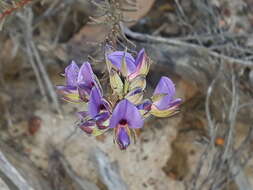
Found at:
<point>124,109</point>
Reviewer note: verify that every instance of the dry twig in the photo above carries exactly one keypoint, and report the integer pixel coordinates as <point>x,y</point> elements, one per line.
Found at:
<point>36,60</point>
<point>155,39</point>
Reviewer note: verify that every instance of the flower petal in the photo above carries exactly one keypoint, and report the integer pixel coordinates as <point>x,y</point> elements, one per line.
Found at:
<point>84,92</point>
<point>122,138</point>
<point>140,57</point>
<point>126,110</point>
<point>71,73</point>
<point>102,117</point>
<point>87,126</point>
<point>175,102</point>
<point>94,102</point>
<point>103,124</point>
<point>145,105</point>
<point>66,88</point>
<point>85,75</point>
<point>142,63</point>
<point>135,96</point>
<point>163,113</point>
<point>165,86</point>
<point>116,59</point>
<point>106,104</point>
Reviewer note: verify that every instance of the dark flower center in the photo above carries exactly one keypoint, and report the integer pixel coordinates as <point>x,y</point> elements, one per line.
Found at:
<point>92,84</point>
<point>123,122</point>
<point>102,107</point>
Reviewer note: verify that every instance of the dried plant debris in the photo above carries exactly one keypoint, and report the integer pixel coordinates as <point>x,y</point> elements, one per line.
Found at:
<point>7,7</point>
<point>112,15</point>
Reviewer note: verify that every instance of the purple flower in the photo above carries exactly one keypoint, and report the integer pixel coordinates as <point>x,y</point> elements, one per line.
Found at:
<point>96,119</point>
<point>98,108</point>
<point>87,126</point>
<point>166,87</point>
<point>86,79</point>
<point>145,105</point>
<point>164,105</point>
<point>142,64</point>
<point>79,82</point>
<point>71,74</point>
<point>134,66</point>
<point>125,116</point>
<point>96,103</point>
<point>124,109</point>
<point>116,58</point>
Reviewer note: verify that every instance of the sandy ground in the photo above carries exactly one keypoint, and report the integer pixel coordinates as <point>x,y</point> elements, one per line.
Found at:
<point>140,165</point>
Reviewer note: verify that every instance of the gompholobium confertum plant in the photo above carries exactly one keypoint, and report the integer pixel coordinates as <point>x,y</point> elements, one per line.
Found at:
<point>125,109</point>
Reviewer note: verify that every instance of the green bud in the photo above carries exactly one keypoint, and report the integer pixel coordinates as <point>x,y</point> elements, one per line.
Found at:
<point>138,82</point>
<point>116,82</point>
<point>135,96</point>
<point>124,67</point>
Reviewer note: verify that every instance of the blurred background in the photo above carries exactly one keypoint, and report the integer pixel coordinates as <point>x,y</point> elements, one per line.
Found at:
<point>204,46</point>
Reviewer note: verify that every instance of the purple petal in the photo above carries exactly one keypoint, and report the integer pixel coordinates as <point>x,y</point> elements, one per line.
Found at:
<point>165,86</point>
<point>175,102</point>
<point>94,102</point>
<point>105,104</point>
<point>67,89</point>
<point>71,73</point>
<point>101,126</point>
<point>135,91</point>
<point>84,91</point>
<point>140,57</point>
<point>86,126</point>
<point>85,75</point>
<point>125,110</point>
<point>123,139</point>
<point>102,117</point>
<point>146,105</point>
<point>117,57</point>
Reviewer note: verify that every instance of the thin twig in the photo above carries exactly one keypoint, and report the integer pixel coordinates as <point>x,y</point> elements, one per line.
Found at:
<point>232,118</point>
<point>35,70</point>
<point>156,39</point>
<point>59,30</point>
<point>47,80</point>
<point>36,61</point>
